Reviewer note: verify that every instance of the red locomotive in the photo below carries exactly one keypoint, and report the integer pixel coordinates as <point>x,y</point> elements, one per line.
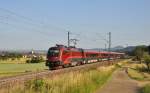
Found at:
<point>61,55</point>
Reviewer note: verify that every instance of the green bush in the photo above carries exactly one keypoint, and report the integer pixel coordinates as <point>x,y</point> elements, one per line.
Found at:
<point>147,61</point>
<point>27,61</point>
<point>146,89</point>
<point>35,60</point>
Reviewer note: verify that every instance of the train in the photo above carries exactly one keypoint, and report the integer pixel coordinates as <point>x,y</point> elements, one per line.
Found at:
<point>63,56</point>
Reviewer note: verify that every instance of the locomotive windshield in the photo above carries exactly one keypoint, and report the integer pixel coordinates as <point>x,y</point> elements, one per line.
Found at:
<point>53,52</point>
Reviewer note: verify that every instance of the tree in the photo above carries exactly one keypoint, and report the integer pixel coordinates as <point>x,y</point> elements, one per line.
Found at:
<point>147,61</point>
<point>139,52</point>
<point>35,60</point>
<point>149,49</point>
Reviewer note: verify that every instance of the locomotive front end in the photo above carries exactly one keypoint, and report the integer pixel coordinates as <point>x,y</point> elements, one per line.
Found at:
<point>53,57</point>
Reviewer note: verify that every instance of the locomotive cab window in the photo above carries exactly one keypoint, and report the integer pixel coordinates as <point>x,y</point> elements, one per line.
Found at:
<point>53,52</point>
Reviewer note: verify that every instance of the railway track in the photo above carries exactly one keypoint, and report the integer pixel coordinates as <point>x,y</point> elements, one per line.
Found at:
<point>8,82</point>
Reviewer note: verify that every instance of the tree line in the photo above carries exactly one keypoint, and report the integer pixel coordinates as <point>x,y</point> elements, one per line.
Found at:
<point>6,56</point>
<point>30,58</point>
<point>142,54</point>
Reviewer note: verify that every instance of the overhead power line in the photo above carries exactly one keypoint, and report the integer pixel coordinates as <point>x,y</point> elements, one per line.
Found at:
<point>102,37</point>
<point>19,21</point>
<point>28,20</point>
<point>21,16</point>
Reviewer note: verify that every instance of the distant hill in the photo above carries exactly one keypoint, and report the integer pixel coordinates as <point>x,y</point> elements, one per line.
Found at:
<point>122,49</point>
<point>117,48</point>
<point>130,48</point>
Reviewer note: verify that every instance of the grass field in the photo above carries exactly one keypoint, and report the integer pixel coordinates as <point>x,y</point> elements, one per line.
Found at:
<point>10,69</point>
<point>73,82</point>
<point>21,60</point>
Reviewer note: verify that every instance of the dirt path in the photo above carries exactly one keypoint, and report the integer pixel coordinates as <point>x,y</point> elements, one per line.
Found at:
<point>120,83</point>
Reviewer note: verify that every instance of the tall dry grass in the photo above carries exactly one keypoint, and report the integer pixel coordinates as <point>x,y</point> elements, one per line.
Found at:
<point>73,82</point>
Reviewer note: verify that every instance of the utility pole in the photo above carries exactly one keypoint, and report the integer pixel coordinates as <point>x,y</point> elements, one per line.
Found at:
<point>109,41</point>
<point>105,47</point>
<point>109,48</point>
<point>74,41</point>
<point>68,38</point>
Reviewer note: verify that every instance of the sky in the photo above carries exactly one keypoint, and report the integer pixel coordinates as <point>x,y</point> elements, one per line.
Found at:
<point>40,24</point>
